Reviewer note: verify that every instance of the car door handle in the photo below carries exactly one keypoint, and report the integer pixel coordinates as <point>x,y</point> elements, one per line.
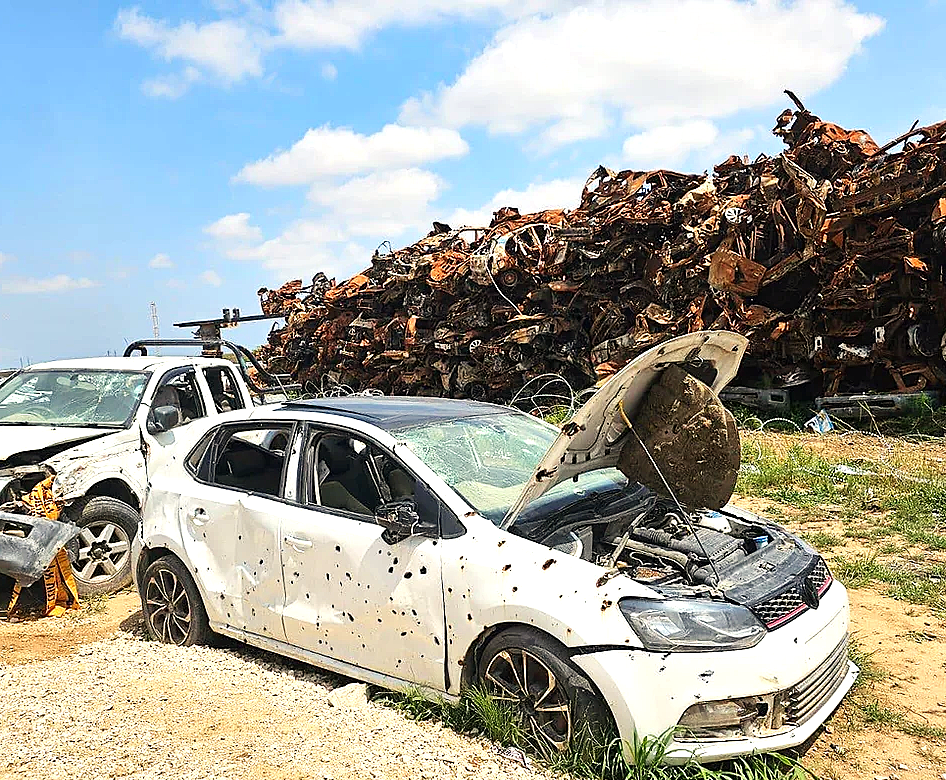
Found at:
<point>199,516</point>
<point>298,542</point>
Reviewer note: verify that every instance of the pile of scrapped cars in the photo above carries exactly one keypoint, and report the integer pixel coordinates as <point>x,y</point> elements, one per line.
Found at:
<point>827,257</point>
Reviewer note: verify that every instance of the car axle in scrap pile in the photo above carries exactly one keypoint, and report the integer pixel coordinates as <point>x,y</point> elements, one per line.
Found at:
<point>828,257</point>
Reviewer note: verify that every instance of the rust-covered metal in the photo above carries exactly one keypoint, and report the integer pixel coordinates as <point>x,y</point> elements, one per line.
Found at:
<point>827,257</point>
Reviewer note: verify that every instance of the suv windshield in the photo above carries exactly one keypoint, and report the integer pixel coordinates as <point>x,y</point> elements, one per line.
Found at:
<point>79,398</point>
<point>489,460</point>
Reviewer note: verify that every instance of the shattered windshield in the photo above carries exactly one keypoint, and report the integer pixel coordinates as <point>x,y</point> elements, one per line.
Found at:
<point>489,460</point>
<point>79,398</point>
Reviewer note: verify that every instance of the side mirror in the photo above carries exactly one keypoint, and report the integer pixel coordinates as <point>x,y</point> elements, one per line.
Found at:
<point>163,418</point>
<point>400,520</point>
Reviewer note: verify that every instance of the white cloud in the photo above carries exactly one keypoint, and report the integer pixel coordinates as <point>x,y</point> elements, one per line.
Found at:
<point>234,228</point>
<point>568,74</point>
<point>538,196</point>
<point>173,86</point>
<point>385,203</point>
<point>229,49</point>
<point>327,151</point>
<point>668,146</point>
<point>6,258</point>
<point>160,260</point>
<point>347,23</point>
<point>329,72</point>
<point>58,283</point>
<point>212,278</point>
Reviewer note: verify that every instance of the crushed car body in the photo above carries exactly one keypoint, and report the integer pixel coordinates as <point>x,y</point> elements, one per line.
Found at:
<point>431,544</point>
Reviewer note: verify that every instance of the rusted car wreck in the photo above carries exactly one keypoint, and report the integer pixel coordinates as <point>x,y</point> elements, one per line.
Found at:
<point>827,257</point>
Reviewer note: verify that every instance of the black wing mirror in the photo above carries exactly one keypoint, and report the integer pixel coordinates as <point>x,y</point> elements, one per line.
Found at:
<point>163,418</point>
<point>400,520</point>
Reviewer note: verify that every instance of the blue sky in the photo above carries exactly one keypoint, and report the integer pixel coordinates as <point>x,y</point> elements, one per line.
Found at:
<point>190,153</point>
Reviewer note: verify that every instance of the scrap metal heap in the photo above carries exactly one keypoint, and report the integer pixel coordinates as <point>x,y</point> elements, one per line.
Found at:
<point>829,257</point>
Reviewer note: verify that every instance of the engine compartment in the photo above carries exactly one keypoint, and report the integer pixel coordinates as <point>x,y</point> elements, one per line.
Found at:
<point>727,554</point>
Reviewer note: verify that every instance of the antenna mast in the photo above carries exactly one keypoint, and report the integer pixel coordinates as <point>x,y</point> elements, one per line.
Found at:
<point>155,329</point>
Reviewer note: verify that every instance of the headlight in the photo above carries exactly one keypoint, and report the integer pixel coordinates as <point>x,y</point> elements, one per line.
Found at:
<point>688,626</point>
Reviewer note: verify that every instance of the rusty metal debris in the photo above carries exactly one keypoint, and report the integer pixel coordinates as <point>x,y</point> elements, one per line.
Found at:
<point>828,257</point>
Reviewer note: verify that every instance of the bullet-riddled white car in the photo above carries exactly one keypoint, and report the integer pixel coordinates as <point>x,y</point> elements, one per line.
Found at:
<point>414,542</point>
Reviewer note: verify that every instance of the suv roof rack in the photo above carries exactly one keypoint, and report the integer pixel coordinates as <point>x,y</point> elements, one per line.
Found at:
<point>242,354</point>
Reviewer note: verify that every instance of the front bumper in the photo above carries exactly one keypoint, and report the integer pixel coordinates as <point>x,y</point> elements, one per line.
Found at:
<point>649,692</point>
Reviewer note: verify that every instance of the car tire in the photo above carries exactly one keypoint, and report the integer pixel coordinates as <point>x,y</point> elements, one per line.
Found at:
<point>171,604</point>
<point>102,562</point>
<point>557,702</point>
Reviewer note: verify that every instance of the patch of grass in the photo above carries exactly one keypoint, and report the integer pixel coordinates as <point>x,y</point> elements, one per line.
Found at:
<point>918,586</point>
<point>592,756</point>
<point>95,605</point>
<point>822,540</point>
<point>871,671</point>
<point>873,712</point>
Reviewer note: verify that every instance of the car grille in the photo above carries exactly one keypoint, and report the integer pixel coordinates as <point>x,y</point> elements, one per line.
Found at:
<point>806,698</point>
<point>789,604</point>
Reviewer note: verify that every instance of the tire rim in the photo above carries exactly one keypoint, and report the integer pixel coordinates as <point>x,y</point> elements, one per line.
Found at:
<point>104,549</point>
<point>169,609</point>
<point>518,678</point>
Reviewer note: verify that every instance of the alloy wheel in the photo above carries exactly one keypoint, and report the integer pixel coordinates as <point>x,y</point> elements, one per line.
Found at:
<point>518,678</point>
<point>104,549</point>
<point>169,609</point>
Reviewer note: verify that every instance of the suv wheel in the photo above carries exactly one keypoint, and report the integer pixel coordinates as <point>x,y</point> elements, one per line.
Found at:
<point>103,560</point>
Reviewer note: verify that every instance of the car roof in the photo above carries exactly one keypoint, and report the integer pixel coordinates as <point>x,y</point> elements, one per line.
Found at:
<point>394,412</point>
<point>147,363</point>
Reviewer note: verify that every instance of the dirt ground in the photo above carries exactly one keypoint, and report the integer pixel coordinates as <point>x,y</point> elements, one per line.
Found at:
<point>907,642</point>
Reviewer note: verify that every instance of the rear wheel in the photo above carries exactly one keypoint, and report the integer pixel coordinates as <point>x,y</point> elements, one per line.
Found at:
<point>530,672</point>
<point>103,558</point>
<point>173,610</point>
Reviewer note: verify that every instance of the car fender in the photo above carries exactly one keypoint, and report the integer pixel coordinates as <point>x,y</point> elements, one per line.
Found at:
<point>114,457</point>
<point>492,578</point>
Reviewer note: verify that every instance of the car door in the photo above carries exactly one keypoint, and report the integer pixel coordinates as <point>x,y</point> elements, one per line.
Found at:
<point>349,595</point>
<point>230,524</point>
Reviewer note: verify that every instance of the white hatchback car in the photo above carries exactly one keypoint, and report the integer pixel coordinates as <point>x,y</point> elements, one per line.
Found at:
<point>433,544</point>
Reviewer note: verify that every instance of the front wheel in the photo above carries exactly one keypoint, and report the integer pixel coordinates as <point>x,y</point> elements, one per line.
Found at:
<point>103,559</point>
<point>531,673</point>
<point>173,610</point>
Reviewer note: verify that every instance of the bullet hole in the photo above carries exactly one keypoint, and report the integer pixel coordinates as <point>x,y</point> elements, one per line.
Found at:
<point>436,641</point>
<point>205,534</point>
<point>548,563</point>
<point>568,630</point>
<point>390,570</point>
<point>449,590</point>
<point>403,614</point>
<point>705,676</point>
<point>507,567</point>
<point>515,588</point>
<point>338,548</point>
<point>407,575</point>
<point>239,537</point>
<point>351,617</point>
<point>394,612</point>
<point>395,561</point>
<point>327,577</point>
<point>662,668</point>
<point>414,612</point>
<point>348,575</point>
<point>469,617</point>
<point>462,568</point>
<point>307,595</point>
<point>260,561</point>
<point>403,633</point>
<point>423,569</point>
<point>605,604</point>
<point>363,646</point>
<point>379,620</point>
<point>501,542</point>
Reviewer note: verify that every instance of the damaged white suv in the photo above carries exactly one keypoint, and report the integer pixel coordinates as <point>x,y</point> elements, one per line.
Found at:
<point>434,544</point>
<point>88,423</point>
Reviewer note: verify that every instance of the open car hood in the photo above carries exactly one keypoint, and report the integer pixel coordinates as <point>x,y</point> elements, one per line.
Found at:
<point>597,437</point>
